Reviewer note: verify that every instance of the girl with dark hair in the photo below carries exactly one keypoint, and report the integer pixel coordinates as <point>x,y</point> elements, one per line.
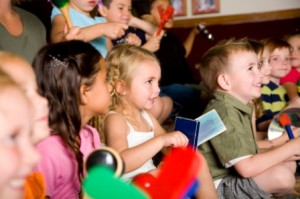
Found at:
<point>72,76</point>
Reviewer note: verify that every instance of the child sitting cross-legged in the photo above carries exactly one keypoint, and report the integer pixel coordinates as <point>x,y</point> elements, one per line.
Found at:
<point>230,70</point>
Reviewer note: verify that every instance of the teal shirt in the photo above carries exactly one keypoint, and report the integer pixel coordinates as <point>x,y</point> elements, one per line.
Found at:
<point>237,141</point>
<point>82,21</point>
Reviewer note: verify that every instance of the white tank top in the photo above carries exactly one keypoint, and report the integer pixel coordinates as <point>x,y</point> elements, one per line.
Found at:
<point>135,138</point>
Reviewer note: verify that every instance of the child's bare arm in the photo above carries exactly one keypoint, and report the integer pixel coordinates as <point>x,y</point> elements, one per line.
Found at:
<point>149,28</point>
<point>110,30</point>
<point>133,39</point>
<point>116,131</point>
<point>57,29</point>
<point>87,34</point>
<point>259,163</point>
<point>291,90</point>
<point>189,42</point>
<point>153,43</point>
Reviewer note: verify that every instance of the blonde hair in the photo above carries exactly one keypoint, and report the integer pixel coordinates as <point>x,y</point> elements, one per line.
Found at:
<point>5,79</point>
<point>122,61</point>
<point>215,60</point>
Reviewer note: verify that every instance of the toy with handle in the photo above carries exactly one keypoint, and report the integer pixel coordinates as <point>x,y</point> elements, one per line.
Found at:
<point>63,5</point>
<point>285,121</point>
<point>177,174</point>
<point>106,156</point>
<point>104,167</point>
<point>101,183</point>
<point>177,177</point>
<point>164,17</point>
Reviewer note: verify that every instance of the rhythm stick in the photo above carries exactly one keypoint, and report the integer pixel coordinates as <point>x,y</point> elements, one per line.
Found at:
<point>164,17</point>
<point>285,121</point>
<point>63,5</point>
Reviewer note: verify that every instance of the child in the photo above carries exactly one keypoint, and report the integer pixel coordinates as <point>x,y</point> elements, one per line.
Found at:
<point>72,76</point>
<point>20,31</point>
<point>16,67</point>
<point>86,26</point>
<point>274,97</point>
<point>230,70</point>
<point>290,81</point>
<point>119,11</point>
<point>18,155</point>
<point>134,73</point>
<point>261,129</point>
<point>176,74</point>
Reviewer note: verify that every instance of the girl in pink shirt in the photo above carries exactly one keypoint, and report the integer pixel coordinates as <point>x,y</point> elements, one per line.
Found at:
<point>72,76</point>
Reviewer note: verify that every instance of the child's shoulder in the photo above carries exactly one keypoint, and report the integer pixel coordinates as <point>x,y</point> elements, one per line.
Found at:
<point>115,119</point>
<point>227,106</point>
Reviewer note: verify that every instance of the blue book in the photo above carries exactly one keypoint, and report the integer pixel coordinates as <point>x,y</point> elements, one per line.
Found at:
<point>190,128</point>
<point>201,129</point>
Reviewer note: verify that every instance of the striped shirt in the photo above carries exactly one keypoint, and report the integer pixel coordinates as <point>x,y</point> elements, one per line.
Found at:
<point>274,98</point>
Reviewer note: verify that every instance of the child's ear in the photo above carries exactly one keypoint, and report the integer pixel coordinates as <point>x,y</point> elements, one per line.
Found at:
<point>83,94</point>
<point>102,10</point>
<point>120,87</point>
<point>223,82</point>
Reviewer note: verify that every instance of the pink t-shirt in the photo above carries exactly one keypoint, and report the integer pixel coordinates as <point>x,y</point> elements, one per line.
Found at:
<point>59,166</point>
<point>293,76</point>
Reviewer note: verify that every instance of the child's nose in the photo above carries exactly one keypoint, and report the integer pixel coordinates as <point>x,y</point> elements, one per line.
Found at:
<point>157,89</point>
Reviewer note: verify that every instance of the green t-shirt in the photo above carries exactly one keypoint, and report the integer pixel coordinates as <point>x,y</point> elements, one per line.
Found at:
<point>237,141</point>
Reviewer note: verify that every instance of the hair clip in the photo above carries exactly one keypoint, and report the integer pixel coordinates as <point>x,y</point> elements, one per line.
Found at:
<point>99,3</point>
<point>57,61</point>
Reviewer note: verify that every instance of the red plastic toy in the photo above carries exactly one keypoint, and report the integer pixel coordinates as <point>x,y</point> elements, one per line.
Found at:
<point>164,17</point>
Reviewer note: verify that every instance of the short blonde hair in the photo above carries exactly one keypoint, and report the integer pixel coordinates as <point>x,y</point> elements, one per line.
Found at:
<point>215,60</point>
<point>122,61</point>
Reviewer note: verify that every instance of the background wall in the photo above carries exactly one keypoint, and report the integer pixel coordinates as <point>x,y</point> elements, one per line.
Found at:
<point>232,7</point>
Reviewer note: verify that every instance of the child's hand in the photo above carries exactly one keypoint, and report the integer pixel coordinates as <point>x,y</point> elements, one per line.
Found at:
<point>195,30</point>
<point>296,131</point>
<point>153,43</point>
<point>114,30</point>
<point>73,33</point>
<point>133,39</point>
<point>175,139</point>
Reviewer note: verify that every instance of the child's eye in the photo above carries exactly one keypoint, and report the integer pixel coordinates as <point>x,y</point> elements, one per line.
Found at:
<point>10,140</point>
<point>149,81</point>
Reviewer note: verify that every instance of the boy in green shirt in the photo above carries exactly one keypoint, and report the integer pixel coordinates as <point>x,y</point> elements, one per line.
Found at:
<point>230,70</point>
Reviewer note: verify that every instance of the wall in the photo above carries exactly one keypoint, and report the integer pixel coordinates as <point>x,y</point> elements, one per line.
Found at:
<point>233,7</point>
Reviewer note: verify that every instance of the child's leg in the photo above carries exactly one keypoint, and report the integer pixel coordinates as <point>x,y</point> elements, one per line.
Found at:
<point>278,180</point>
<point>207,189</point>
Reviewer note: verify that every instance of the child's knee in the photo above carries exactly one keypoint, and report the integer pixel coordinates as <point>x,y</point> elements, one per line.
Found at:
<point>285,180</point>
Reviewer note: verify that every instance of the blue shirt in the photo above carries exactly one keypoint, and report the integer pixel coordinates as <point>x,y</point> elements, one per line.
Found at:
<point>82,21</point>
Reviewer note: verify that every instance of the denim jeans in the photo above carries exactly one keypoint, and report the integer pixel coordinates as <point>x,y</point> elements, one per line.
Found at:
<point>186,99</point>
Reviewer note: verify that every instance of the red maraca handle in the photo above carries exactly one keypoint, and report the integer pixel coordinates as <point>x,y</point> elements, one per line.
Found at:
<point>164,18</point>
